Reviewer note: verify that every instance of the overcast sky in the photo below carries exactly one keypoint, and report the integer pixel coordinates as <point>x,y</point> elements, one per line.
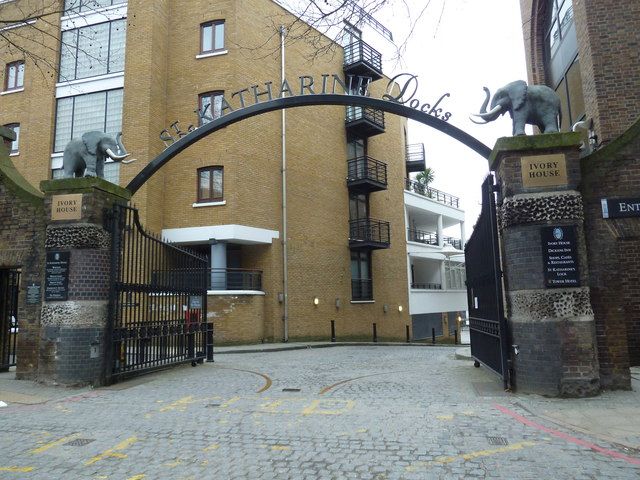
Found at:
<point>477,43</point>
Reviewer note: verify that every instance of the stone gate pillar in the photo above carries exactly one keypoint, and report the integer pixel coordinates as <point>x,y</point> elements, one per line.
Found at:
<point>77,279</point>
<point>548,309</point>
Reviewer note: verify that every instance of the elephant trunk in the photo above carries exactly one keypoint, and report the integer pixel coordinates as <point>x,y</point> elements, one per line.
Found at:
<point>483,108</point>
<point>484,115</point>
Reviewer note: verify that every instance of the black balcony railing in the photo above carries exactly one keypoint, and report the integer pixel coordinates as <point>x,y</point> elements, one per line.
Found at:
<point>361,289</point>
<point>362,59</point>
<point>437,195</point>
<point>415,158</point>
<point>454,242</point>
<point>364,121</point>
<point>366,174</point>
<point>234,279</point>
<point>369,233</point>
<point>426,286</point>
<point>429,238</point>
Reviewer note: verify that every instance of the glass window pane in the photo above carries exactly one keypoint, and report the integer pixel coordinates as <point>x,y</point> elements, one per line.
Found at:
<point>112,172</point>
<point>93,50</point>
<point>64,115</point>
<point>554,37</point>
<point>113,123</point>
<point>204,182</point>
<point>576,97</point>
<point>89,113</point>
<point>11,76</point>
<point>564,106</point>
<point>71,6</point>
<point>217,106</point>
<point>207,38</point>
<point>219,36</point>
<point>205,108</point>
<point>20,79</point>
<point>88,5</point>
<point>15,144</point>
<point>217,183</point>
<point>117,46</point>
<point>565,16</point>
<point>69,50</point>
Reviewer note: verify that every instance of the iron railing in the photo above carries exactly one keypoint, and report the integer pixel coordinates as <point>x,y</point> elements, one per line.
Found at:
<point>234,279</point>
<point>157,304</point>
<point>360,51</point>
<point>369,230</point>
<point>361,289</point>
<point>429,238</point>
<point>426,286</point>
<point>367,168</point>
<point>415,153</point>
<point>372,115</point>
<point>454,242</point>
<point>9,288</point>
<point>437,195</point>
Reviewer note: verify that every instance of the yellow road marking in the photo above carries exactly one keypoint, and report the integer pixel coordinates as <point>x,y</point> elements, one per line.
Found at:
<point>213,446</point>
<point>445,417</point>
<point>173,464</point>
<point>17,469</point>
<point>55,443</point>
<point>137,477</point>
<point>280,448</point>
<point>315,407</point>
<point>470,456</point>
<point>231,401</point>
<point>180,404</point>
<point>113,452</point>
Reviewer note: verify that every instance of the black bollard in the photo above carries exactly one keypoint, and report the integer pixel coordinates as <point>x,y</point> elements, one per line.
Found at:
<point>375,334</point>
<point>455,336</point>
<point>408,336</point>
<point>333,330</point>
<point>433,336</point>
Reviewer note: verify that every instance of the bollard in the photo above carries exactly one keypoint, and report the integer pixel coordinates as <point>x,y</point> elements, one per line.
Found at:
<point>375,334</point>
<point>408,336</point>
<point>455,336</point>
<point>433,336</point>
<point>333,330</point>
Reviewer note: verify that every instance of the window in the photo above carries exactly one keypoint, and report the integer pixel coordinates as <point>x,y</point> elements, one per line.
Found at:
<point>76,6</point>
<point>16,143</point>
<point>212,36</point>
<point>358,206</point>
<point>361,283</point>
<point>210,184</point>
<point>93,50</point>
<point>100,111</point>
<point>210,106</point>
<point>14,76</point>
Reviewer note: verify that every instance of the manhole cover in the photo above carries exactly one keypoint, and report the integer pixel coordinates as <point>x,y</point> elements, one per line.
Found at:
<point>497,441</point>
<point>79,442</point>
<point>290,389</point>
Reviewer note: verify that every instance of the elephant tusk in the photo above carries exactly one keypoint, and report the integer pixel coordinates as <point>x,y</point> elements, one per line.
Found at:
<point>491,114</point>
<point>129,161</point>
<point>475,121</point>
<point>115,157</point>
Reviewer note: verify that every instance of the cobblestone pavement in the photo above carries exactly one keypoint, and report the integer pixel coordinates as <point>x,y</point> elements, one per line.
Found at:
<point>347,412</point>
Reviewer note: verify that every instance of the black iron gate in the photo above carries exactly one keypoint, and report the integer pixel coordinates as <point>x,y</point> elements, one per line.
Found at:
<point>487,323</point>
<point>157,304</point>
<point>9,288</point>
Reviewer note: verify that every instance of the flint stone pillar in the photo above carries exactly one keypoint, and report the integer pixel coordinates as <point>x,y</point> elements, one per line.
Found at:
<point>77,279</point>
<point>548,306</point>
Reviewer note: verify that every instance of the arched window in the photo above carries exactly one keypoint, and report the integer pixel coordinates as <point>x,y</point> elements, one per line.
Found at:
<point>561,61</point>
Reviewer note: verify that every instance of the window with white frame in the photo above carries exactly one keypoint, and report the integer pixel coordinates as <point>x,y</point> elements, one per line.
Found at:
<point>93,50</point>
<point>100,111</point>
<point>212,37</point>
<point>14,76</point>
<point>15,145</point>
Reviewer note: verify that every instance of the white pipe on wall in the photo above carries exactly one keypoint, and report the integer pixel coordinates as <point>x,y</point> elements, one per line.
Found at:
<point>285,266</point>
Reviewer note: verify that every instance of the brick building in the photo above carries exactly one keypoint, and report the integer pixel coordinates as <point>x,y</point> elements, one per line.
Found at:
<point>139,66</point>
<point>587,50</point>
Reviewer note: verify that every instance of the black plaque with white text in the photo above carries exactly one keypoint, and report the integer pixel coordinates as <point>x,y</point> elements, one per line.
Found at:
<point>33,293</point>
<point>620,207</point>
<point>56,278</point>
<point>559,251</point>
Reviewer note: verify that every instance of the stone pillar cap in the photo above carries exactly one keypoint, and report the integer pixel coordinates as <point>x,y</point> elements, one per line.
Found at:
<point>533,144</point>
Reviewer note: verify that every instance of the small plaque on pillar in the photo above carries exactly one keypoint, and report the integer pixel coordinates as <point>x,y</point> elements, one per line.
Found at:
<point>560,254</point>
<point>544,170</point>
<point>56,276</point>
<point>66,207</point>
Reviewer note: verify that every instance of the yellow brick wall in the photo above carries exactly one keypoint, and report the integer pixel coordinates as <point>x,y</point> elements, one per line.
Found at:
<point>236,318</point>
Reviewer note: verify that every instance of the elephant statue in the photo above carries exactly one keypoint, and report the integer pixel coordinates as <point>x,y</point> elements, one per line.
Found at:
<point>535,105</point>
<point>85,156</point>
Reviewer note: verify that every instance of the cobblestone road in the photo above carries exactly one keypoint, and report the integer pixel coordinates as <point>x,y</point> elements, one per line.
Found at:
<point>347,412</point>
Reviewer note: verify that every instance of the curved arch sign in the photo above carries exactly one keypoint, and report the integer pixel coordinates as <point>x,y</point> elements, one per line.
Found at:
<point>399,105</point>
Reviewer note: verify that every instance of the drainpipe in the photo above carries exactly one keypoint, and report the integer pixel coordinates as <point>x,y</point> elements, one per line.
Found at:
<point>285,266</point>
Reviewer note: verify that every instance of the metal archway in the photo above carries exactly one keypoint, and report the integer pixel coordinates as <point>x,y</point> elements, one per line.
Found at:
<point>303,101</point>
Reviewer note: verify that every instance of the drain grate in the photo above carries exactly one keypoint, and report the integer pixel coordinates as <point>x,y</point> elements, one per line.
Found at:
<point>80,442</point>
<point>290,389</point>
<point>497,441</point>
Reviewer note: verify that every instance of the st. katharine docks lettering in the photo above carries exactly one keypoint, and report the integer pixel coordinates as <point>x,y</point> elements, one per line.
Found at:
<point>401,89</point>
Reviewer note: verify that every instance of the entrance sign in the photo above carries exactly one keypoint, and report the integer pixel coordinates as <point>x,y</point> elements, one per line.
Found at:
<point>560,256</point>
<point>544,170</point>
<point>56,276</point>
<point>620,207</point>
<point>259,101</point>
<point>66,207</point>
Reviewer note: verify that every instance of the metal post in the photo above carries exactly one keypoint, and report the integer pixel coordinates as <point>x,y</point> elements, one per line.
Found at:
<point>333,330</point>
<point>433,336</point>
<point>375,334</point>
<point>455,336</point>
<point>408,336</point>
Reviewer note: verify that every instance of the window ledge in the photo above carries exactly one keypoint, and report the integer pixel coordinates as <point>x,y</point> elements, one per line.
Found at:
<point>212,54</point>
<point>209,204</point>
<point>362,301</point>
<point>15,90</point>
